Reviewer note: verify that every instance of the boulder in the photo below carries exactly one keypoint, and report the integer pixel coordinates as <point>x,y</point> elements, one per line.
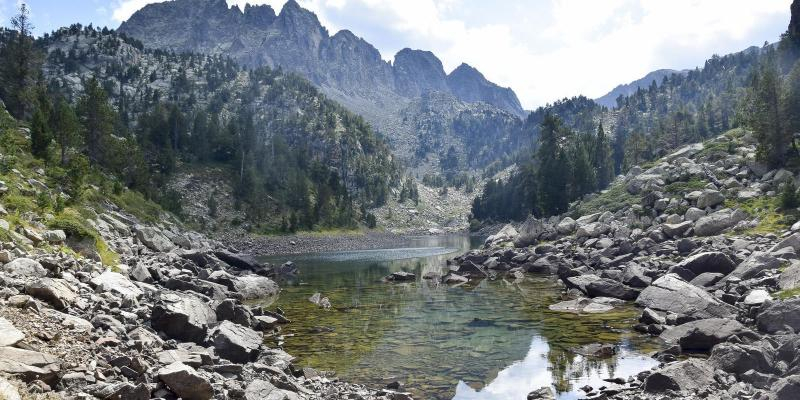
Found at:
<point>56,292</point>
<point>677,230</point>
<point>786,388</point>
<point>604,287</point>
<point>753,265</point>
<point>633,276</point>
<point>29,365</point>
<point>507,234</point>
<point>25,267</point>
<point>717,222</point>
<point>117,284</point>
<point>673,294</point>
<point>9,334</point>
<point>580,282</point>
<point>234,342</point>
<point>566,226</point>
<point>400,276</point>
<point>757,297</point>
<point>182,316</point>
<point>153,238</point>
<point>240,261</point>
<point>737,358</point>
<point>55,236</point>
<point>264,390</point>
<point>777,316</point>
<point>709,198</point>
<point>8,391</point>
<point>543,393</point>
<point>593,230</point>
<point>712,261</point>
<point>682,376</point>
<point>583,306</point>
<point>790,277</point>
<point>186,382</point>
<point>702,335</point>
<point>694,214</point>
<point>255,287</point>
<point>706,279</point>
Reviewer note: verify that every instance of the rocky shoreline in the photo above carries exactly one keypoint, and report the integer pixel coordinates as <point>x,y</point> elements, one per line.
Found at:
<point>717,288</point>
<point>168,321</point>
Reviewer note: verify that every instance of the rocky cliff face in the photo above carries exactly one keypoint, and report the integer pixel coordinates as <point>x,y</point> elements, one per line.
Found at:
<point>347,68</point>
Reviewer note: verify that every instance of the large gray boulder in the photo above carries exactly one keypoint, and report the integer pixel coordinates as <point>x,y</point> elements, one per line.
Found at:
<point>779,315</point>
<point>186,382</point>
<point>153,238</point>
<point>235,342</point>
<point>182,316</point>
<point>737,358</point>
<point>787,388</point>
<point>633,275</point>
<point>25,267</point>
<point>711,261</point>
<point>717,222</point>
<point>709,198</point>
<point>673,294</point>
<point>593,230</point>
<point>117,284</point>
<point>566,226</point>
<point>790,277</point>
<point>753,265</point>
<point>677,230</point>
<point>683,376</point>
<point>56,292</point>
<point>702,335</point>
<point>255,287</point>
<point>604,287</point>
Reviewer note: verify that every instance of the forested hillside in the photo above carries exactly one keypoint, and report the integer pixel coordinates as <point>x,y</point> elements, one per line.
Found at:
<point>296,160</point>
<point>582,145</point>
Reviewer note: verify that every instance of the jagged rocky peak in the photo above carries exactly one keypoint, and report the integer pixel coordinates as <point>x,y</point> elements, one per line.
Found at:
<point>418,72</point>
<point>262,15</point>
<point>469,84</point>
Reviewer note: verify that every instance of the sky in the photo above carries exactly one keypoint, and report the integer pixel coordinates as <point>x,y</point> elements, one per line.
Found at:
<point>543,49</point>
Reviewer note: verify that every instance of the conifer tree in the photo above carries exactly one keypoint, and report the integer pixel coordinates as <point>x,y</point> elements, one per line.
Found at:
<point>97,118</point>
<point>19,65</point>
<point>602,160</point>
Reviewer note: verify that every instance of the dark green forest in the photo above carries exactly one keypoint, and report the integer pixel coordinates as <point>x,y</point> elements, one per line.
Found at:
<point>98,100</point>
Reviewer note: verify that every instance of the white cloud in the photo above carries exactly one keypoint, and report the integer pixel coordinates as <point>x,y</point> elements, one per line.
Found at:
<point>547,50</point>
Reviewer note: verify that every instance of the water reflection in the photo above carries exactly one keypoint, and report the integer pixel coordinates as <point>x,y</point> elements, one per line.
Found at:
<point>490,340</point>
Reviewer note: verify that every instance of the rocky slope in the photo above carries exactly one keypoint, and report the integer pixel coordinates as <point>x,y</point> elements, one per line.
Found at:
<point>345,67</point>
<point>698,240</point>
<point>107,296</point>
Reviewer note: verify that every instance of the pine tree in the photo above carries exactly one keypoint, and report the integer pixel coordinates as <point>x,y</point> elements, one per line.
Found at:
<point>765,113</point>
<point>65,128</point>
<point>97,118</point>
<point>40,133</point>
<point>19,65</point>
<point>791,105</point>
<point>602,160</point>
<point>553,172</point>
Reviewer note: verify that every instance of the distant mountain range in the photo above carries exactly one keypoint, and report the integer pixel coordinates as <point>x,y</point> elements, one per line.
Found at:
<point>345,67</point>
<point>625,90</point>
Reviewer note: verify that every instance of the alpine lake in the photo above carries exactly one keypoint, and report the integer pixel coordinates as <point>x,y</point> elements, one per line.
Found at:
<point>487,340</point>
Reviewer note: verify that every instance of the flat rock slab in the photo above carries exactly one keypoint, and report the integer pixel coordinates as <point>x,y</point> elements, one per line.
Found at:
<point>777,316</point>
<point>9,334</point>
<point>25,267</point>
<point>585,306</point>
<point>702,335</point>
<point>673,294</point>
<point>118,284</point>
<point>683,376</point>
<point>235,342</point>
<point>56,292</point>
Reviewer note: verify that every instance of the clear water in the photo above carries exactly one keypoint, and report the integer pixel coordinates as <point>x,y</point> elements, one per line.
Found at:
<point>486,341</point>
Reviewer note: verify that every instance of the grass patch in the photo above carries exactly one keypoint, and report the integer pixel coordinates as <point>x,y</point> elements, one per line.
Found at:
<point>785,294</point>
<point>613,199</point>
<point>76,228</point>
<point>771,218</point>
<point>136,204</point>
<point>685,187</point>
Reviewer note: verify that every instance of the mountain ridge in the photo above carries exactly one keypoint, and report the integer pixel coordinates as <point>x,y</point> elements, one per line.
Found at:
<point>263,38</point>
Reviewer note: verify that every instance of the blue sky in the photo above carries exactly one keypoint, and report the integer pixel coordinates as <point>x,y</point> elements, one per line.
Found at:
<point>543,49</point>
